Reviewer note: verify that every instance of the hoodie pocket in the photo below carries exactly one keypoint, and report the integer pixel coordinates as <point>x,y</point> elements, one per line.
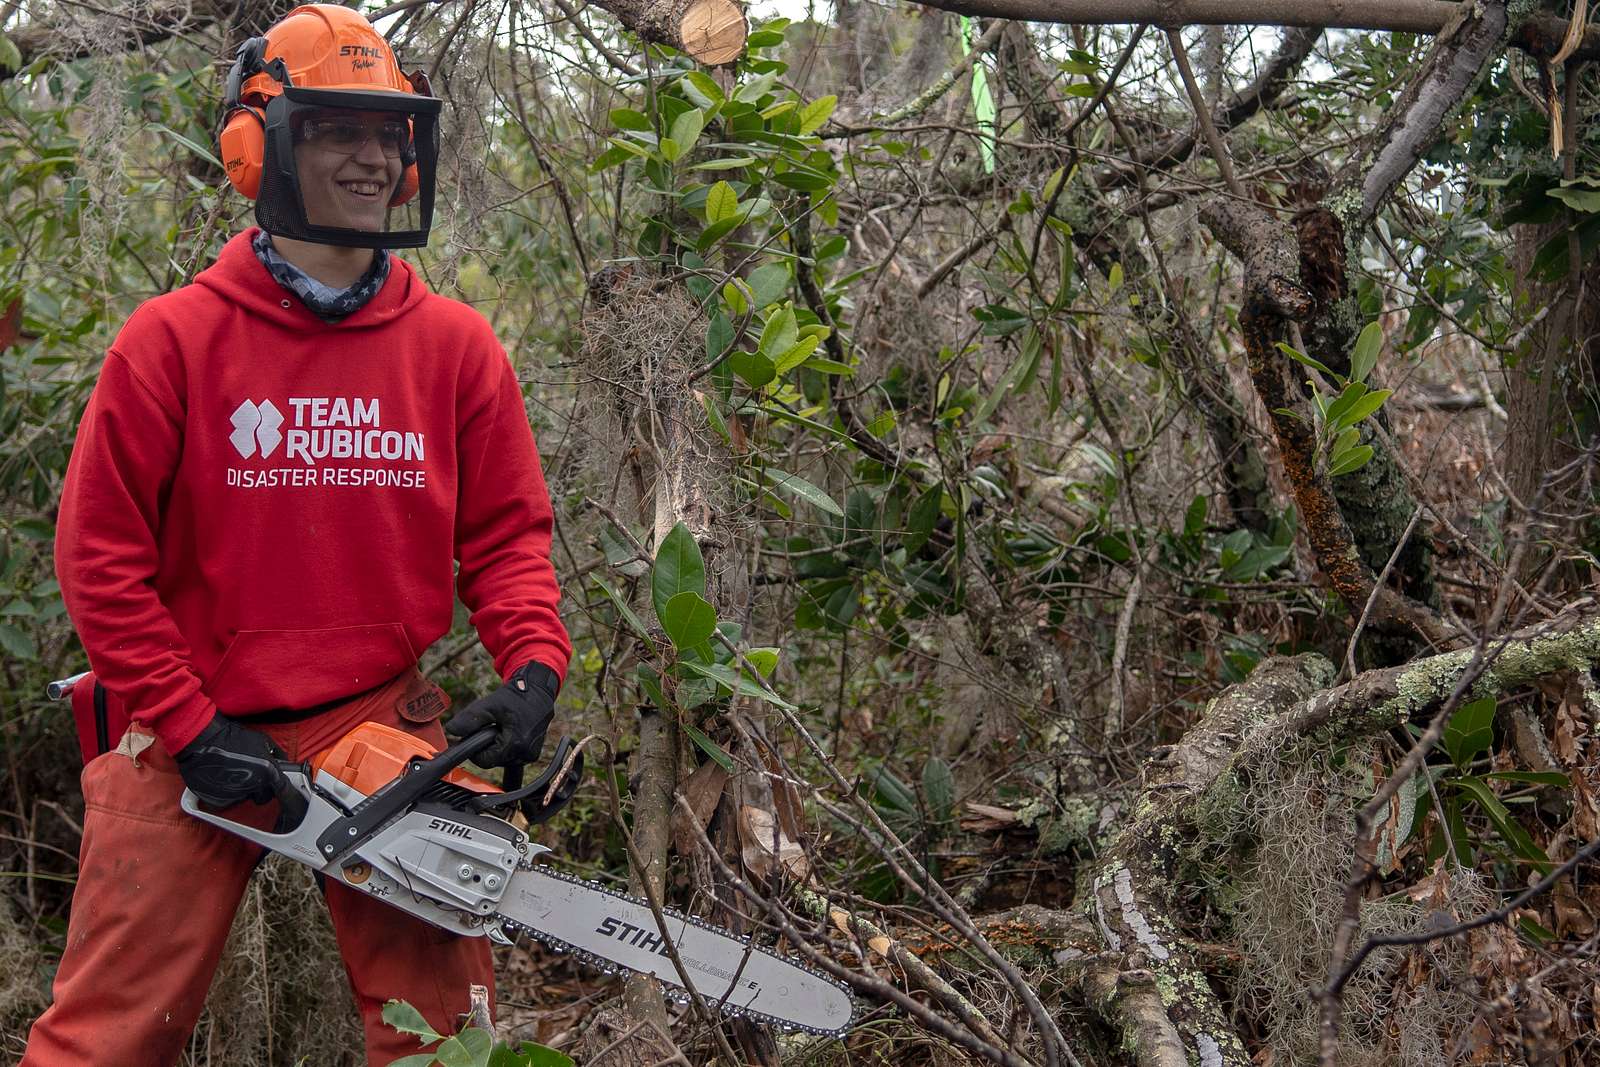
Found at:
<point>265,669</point>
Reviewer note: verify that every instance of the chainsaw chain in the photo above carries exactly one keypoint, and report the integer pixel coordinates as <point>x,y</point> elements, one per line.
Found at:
<point>673,993</point>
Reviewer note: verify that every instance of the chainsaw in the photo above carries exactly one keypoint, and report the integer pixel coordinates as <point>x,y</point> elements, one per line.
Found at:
<point>386,814</point>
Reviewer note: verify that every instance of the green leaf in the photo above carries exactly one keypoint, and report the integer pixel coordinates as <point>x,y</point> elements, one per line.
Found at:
<point>1022,368</point>
<point>401,1016</point>
<point>193,146</point>
<point>10,54</point>
<point>669,150</point>
<point>686,130</point>
<point>719,335</point>
<point>710,748</point>
<point>635,623</point>
<point>816,114</point>
<point>798,354</point>
<point>891,793</point>
<point>768,283</point>
<point>35,529</point>
<point>1363,407</point>
<point>1194,519</point>
<point>1114,276</point>
<point>798,486</point>
<point>1586,200</point>
<point>421,1059</point>
<point>1348,438</point>
<point>939,787</point>
<point>699,87</point>
<point>1511,831</point>
<point>609,158</point>
<point>1470,731</point>
<point>1352,460</point>
<point>724,163</point>
<point>764,659</point>
<point>537,1055</point>
<point>679,568</point>
<point>1300,357</point>
<point>624,118</point>
<point>756,370</point>
<point>779,334</point>
<point>1531,777</point>
<point>722,203</point>
<point>924,514</point>
<point>17,643</point>
<point>650,682</point>
<point>469,1048</point>
<point>631,147</point>
<point>20,607</point>
<point>689,620</point>
<point>1365,354</point>
<point>1351,393</point>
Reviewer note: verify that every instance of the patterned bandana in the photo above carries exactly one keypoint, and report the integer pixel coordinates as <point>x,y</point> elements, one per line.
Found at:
<point>327,303</point>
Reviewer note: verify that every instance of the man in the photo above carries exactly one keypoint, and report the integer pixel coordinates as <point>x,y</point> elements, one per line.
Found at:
<point>275,472</point>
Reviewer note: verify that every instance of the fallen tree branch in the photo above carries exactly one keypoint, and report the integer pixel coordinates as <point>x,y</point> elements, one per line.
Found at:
<point>711,31</point>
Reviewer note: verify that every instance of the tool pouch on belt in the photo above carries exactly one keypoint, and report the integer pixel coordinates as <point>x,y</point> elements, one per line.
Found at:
<point>100,717</point>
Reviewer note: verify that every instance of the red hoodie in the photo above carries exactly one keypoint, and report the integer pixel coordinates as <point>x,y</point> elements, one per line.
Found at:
<point>262,508</point>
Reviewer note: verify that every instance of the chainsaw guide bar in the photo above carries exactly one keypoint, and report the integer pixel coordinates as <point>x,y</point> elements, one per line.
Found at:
<point>385,815</point>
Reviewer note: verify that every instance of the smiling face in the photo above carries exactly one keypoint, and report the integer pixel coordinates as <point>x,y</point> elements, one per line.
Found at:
<point>349,166</point>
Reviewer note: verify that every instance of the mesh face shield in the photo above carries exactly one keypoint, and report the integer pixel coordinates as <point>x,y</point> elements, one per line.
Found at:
<point>304,185</point>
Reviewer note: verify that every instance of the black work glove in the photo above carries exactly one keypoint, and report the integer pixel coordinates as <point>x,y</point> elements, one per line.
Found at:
<point>520,711</point>
<point>228,763</point>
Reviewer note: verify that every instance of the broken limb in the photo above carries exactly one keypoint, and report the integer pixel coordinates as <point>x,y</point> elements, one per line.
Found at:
<point>711,31</point>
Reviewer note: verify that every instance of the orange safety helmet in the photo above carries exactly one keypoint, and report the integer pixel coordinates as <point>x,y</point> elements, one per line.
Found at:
<point>321,56</point>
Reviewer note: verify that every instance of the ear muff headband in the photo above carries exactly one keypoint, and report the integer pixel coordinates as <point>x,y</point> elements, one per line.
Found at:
<point>243,138</point>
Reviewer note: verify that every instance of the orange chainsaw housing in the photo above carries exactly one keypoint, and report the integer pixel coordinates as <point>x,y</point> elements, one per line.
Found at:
<point>372,755</point>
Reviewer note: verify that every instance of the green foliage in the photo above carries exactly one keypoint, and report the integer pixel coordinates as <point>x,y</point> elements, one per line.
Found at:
<point>470,1047</point>
<point>1339,416</point>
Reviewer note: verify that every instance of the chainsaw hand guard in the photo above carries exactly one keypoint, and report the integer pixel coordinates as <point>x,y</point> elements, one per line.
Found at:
<point>531,798</point>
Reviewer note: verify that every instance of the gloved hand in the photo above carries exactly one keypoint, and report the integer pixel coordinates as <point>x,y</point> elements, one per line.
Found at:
<point>227,763</point>
<point>521,711</point>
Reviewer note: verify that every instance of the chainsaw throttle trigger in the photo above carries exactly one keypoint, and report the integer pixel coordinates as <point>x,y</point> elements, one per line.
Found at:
<point>531,797</point>
<point>292,804</point>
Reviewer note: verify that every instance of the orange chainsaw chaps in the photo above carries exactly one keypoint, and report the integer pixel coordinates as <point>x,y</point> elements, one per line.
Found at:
<point>373,755</point>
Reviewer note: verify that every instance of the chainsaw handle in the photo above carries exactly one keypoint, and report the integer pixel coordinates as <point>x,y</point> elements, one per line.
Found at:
<point>292,803</point>
<point>531,797</point>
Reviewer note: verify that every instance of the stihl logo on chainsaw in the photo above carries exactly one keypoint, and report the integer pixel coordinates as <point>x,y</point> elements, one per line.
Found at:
<point>630,934</point>
<point>454,829</point>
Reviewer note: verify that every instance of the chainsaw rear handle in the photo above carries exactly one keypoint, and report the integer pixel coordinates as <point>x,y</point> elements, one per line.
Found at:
<point>321,840</point>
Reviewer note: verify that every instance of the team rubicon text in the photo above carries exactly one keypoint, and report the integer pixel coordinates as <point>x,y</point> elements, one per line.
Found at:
<point>333,441</point>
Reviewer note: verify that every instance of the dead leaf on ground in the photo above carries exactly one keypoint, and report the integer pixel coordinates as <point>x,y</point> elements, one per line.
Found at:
<point>764,845</point>
<point>701,789</point>
<point>987,819</point>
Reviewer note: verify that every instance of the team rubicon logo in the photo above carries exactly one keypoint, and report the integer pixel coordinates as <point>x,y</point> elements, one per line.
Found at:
<point>319,429</point>
<point>255,425</point>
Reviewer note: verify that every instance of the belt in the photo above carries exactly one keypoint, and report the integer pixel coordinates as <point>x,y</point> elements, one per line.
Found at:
<point>278,716</point>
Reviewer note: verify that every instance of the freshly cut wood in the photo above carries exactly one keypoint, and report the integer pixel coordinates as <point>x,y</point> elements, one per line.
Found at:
<point>712,31</point>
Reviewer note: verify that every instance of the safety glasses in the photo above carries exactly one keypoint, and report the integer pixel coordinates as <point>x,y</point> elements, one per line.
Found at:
<point>348,134</point>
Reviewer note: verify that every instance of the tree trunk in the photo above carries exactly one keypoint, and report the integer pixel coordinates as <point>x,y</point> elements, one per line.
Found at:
<point>1552,402</point>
